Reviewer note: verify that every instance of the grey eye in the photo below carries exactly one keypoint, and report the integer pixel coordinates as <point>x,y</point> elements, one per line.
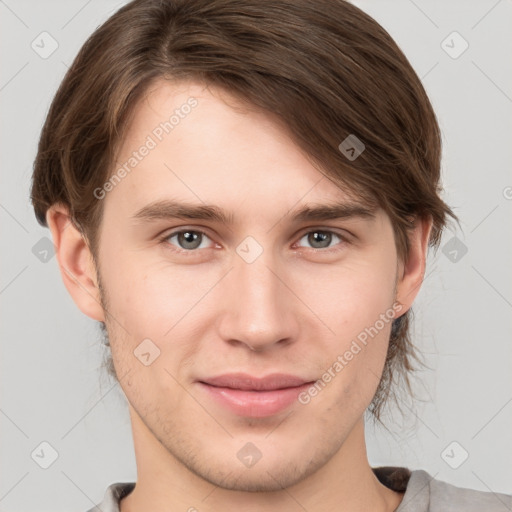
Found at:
<point>320,239</point>
<point>187,239</point>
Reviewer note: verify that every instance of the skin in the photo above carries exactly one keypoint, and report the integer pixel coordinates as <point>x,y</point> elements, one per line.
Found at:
<point>293,310</point>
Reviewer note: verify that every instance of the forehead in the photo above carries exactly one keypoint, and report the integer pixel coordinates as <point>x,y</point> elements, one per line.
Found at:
<point>189,141</point>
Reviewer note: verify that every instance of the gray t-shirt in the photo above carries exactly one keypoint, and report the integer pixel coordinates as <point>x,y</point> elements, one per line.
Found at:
<point>422,494</point>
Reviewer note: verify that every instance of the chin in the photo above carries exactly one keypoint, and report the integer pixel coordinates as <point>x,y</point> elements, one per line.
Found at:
<point>264,480</point>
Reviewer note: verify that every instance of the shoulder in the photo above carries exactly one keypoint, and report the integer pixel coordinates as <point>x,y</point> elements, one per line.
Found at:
<point>423,493</point>
<point>440,496</point>
<point>114,493</point>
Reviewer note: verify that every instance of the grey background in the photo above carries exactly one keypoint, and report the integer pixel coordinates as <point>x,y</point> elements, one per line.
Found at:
<point>53,388</point>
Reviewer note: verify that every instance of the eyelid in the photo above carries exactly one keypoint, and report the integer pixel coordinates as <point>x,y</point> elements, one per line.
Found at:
<point>342,233</point>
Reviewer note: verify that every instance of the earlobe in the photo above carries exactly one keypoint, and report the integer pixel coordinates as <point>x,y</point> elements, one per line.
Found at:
<point>75,262</point>
<point>413,270</point>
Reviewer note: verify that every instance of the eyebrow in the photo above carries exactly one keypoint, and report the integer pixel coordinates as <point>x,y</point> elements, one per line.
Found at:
<point>167,209</point>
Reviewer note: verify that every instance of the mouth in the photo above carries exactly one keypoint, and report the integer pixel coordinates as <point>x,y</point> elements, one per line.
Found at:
<point>254,397</point>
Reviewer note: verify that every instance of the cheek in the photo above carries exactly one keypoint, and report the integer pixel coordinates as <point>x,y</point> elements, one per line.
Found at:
<point>351,296</point>
<point>147,295</point>
<point>159,302</point>
<point>356,303</point>
<point>155,303</point>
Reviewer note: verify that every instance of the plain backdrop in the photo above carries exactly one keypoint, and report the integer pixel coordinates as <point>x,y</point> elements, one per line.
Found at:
<point>53,389</point>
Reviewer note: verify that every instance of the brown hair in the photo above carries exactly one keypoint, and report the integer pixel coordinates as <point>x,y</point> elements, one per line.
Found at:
<point>325,68</point>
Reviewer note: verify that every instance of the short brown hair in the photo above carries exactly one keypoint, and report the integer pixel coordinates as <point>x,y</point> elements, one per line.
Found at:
<point>325,68</point>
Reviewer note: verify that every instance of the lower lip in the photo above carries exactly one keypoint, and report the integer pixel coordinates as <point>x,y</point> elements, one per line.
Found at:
<point>254,404</point>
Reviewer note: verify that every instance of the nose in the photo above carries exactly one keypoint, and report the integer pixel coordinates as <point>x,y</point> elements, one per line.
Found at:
<point>259,310</point>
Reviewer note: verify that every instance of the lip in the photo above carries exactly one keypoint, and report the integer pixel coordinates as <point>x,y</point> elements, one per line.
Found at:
<point>254,397</point>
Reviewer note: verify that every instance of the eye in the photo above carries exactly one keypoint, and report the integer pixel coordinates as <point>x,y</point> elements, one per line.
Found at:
<point>187,240</point>
<point>321,239</point>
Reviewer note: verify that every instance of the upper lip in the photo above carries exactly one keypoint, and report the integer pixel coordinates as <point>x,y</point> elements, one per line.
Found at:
<point>246,382</point>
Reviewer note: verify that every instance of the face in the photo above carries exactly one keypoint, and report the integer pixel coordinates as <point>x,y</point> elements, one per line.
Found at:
<point>260,292</point>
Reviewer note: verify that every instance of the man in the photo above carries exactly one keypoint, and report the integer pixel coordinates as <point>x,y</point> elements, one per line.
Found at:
<point>243,194</point>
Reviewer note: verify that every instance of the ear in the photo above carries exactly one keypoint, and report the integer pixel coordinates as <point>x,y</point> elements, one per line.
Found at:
<point>412,271</point>
<point>75,262</point>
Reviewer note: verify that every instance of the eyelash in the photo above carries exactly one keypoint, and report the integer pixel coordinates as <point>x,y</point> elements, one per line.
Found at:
<point>164,240</point>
